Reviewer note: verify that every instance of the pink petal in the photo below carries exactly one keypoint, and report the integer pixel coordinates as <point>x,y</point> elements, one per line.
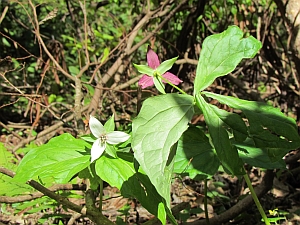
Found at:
<point>172,78</point>
<point>146,81</point>
<point>152,59</point>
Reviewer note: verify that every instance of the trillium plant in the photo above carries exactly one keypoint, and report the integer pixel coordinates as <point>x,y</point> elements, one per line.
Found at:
<point>163,143</point>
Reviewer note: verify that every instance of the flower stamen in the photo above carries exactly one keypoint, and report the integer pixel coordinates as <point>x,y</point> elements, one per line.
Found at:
<point>103,138</point>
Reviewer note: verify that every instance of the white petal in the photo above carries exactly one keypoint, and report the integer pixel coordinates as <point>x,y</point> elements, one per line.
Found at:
<point>117,137</point>
<point>96,127</point>
<point>97,150</point>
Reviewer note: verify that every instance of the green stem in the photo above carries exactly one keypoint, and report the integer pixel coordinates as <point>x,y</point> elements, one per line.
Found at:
<point>205,202</point>
<point>174,86</point>
<point>257,203</point>
<point>101,194</point>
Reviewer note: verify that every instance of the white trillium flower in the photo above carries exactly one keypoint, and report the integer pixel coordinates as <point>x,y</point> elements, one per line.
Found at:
<point>98,130</point>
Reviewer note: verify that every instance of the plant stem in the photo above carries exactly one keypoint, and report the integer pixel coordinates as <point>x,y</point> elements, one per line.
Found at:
<point>257,203</point>
<point>174,86</point>
<point>100,194</point>
<point>205,202</point>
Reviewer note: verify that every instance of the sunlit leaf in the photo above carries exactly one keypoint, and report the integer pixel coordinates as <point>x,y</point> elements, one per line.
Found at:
<point>227,153</point>
<point>159,125</point>
<point>61,158</point>
<point>221,53</point>
<point>269,127</point>
<point>120,173</point>
<point>195,156</point>
<point>166,65</point>
<point>10,187</point>
<point>144,69</point>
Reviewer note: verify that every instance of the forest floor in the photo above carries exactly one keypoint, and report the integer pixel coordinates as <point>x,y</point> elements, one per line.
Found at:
<point>223,192</point>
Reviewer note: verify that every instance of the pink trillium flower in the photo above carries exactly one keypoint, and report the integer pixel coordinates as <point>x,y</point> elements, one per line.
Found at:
<point>153,62</point>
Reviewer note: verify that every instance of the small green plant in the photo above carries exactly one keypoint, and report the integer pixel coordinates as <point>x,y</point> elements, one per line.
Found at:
<point>277,215</point>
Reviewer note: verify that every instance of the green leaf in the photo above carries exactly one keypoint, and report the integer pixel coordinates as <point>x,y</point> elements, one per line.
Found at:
<point>110,150</point>
<point>195,156</point>
<point>221,53</point>
<point>166,65</point>
<point>52,98</point>
<point>144,69</point>
<point>233,121</point>
<point>90,173</point>
<point>107,36</point>
<point>114,171</point>
<point>88,138</point>
<point>74,70</point>
<point>162,212</point>
<point>269,128</point>
<point>259,157</point>
<point>120,173</point>
<point>10,187</point>
<point>109,126</point>
<point>159,125</point>
<point>227,153</point>
<point>5,42</point>
<point>159,84</point>
<point>105,55</point>
<point>61,158</point>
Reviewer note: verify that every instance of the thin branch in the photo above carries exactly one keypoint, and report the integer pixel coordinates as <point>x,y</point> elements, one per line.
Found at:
<point>51,129</point>
<point>38,36</point>
<point>32,196</point>
<point>3,14</point>
<point>92,214</point>
<point>243,204</point>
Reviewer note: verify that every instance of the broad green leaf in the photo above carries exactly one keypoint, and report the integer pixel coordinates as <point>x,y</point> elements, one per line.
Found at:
<point>195,156</point>
<point>146,193</point>
<point>90,173</point>
<point>233,121</point>
<point>120,173</point>
<point>226,152</point>
<point>166,65</point>
<point>269,128</point>
<point>144,69</point>
<point>114,171</point>
<point>159,125</point>
<point>221,53</point>
<point>259,157</point>
<point>61,158</point>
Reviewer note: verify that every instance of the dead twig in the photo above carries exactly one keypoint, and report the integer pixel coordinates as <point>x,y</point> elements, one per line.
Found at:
<point>93,214</point>
<point>242,205</point>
